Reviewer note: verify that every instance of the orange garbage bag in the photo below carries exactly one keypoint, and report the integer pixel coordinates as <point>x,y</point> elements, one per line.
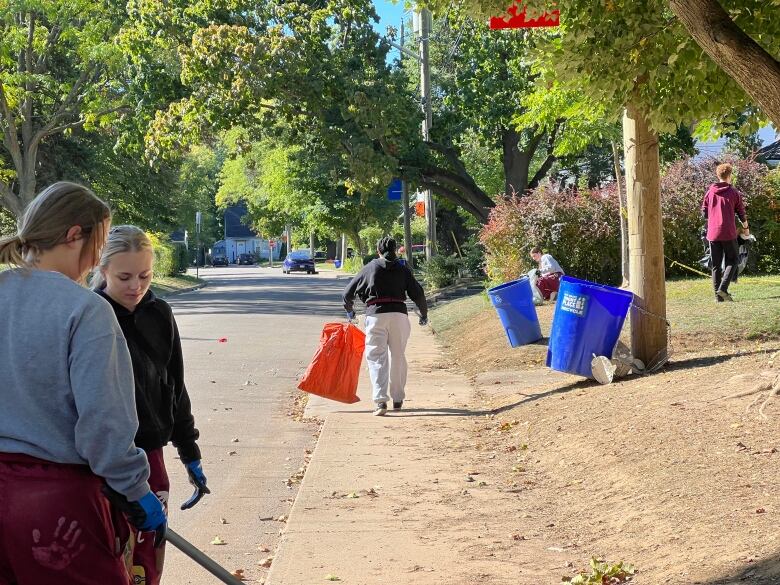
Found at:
<point>335,368</point>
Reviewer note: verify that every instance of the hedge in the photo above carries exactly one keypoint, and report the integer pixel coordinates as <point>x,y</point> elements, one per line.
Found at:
<point>581,228</point>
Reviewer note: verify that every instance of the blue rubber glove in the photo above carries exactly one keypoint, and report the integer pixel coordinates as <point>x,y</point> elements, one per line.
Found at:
<point>198,479</point>
<point>351,315</point>
<point>195,473</point>
<point>146,514</point>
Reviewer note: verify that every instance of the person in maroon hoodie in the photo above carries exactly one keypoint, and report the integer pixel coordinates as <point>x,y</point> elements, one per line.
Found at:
<point>721,203</point>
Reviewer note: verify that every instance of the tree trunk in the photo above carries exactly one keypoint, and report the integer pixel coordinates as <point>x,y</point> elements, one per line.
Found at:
<point>750,65</point>
<point>646,247</point>
<point>516,164</point>
<point>624,268</point>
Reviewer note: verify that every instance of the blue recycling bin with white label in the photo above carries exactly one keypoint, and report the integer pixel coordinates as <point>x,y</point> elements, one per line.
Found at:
<point>514,303</point>
<point>587,322</point>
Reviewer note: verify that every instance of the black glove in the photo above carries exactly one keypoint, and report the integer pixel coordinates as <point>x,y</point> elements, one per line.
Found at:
<point>423,321</point>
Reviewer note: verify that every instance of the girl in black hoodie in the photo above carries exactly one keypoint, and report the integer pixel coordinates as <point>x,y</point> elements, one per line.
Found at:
<point>123,278</point>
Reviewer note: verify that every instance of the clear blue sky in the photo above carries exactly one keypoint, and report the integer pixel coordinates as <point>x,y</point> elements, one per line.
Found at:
<point>389,13</point>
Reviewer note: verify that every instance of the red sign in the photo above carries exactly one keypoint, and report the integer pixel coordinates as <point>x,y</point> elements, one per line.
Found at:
<point>515,17</point>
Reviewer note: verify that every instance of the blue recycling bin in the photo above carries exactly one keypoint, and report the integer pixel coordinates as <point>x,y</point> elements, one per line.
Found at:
<point>337,263</point>
<point>514,303</point>
<point>587,321</point>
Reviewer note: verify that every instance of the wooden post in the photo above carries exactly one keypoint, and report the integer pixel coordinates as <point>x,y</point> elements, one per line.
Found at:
<point>407,224</point>
<point>623,216</point>
<point>645,239</point>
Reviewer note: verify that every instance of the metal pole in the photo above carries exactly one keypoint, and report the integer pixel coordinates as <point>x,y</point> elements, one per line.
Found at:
<point>201,558</point>
<point>407,224</point>
<point>425,88</point>
<point>198,221</point>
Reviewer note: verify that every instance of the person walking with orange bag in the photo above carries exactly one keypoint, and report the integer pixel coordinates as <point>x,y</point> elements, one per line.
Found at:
<point>383,285</point>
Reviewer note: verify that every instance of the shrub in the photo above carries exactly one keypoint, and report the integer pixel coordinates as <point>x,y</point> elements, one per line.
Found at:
<point>683,186</point>
<point>473,257</point>
<point>440,271</point>
<point>164,255</point>
<point>353,265</point>
<point>580,229</point>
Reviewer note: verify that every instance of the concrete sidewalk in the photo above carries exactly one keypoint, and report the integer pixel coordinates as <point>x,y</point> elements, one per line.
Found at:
<point>392,499</point>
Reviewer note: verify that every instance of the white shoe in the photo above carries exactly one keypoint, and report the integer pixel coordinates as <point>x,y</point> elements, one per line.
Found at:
<point>381,409</point>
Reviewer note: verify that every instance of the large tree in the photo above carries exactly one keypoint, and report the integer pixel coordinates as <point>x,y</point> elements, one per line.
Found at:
<point>58,72</point>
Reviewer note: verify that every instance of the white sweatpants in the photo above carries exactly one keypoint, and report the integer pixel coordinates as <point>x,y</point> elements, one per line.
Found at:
<point>386,338</point>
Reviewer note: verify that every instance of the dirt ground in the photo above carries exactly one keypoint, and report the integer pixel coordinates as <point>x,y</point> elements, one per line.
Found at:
<point>674,473</point>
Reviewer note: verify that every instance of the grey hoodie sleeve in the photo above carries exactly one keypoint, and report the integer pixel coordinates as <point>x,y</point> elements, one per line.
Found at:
<point>101,379</point>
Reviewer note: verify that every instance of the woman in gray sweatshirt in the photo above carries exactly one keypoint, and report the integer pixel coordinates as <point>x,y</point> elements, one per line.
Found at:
<point>68,415</point>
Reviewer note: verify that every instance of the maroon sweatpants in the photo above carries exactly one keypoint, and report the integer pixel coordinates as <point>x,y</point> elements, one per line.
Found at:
<point>548,284</point>
<point>147,560</point>
<point>57,527</point>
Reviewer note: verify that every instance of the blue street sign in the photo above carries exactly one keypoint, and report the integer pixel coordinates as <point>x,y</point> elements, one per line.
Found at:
<point>395,190</point>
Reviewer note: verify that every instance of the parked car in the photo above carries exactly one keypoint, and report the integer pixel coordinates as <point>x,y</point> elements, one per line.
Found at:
<point>219,261</point>
<point>246,259</point>
<point>320,256</point>
<point>299,261</point>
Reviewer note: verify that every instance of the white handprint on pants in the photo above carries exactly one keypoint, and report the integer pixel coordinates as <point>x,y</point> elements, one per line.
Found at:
<point>61,551</point>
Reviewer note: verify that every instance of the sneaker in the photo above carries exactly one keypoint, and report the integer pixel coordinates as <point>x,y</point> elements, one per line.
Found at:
<point>381,409</point>
<point>722,294</point>
<point>398,405</point>
<point>718,299</point>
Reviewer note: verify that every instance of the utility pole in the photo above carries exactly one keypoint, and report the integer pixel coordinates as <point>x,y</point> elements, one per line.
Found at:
<point>649,340</point>
<point>198,221</point>
<point>405,190</point>
<point>425,25</point>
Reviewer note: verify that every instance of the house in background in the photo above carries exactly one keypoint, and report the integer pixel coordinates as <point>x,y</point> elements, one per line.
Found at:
<point>770,153</point>
<point>240,238</point>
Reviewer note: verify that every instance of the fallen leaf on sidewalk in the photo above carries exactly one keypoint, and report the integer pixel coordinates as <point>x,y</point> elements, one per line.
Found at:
<point>234,440</point>
<point>330,577</point>
<point>232,452</point>
<point>282,518</point>
<point>352,495</point>
<point>222,340</point>
<point>223,521</point>
<point>238,574</point>
<point>217,541</point>
<point>266,562</point>
<point>263,548</point>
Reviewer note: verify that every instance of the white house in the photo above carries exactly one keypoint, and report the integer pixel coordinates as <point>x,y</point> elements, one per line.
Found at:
<point>240,238</point>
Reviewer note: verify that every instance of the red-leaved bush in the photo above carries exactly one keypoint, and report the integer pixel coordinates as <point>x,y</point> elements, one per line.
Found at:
<point>582,231</point>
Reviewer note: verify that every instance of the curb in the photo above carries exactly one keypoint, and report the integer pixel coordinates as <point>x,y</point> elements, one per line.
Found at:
<point>183,290</point>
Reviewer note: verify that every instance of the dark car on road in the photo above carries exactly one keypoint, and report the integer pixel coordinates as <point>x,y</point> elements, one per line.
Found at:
<point>246,259</point>
<point>299,261</point>
<point>219,261</point>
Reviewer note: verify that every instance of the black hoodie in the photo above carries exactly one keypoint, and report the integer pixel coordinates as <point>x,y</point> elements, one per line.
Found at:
<point>162,402</point>
<point>383,285</point>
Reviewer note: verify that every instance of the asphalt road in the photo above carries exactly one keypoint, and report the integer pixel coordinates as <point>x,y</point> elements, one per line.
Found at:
<point>242,390</point>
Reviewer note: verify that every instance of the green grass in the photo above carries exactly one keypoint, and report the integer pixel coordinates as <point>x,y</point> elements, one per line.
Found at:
<point>166,285</point>
<point>691,307</point>
<point>446,316</point>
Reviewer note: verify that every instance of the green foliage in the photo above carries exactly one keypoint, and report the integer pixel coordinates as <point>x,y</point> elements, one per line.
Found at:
<point>603,573</point>
<point>580,229</point>
<point>164,255</point>
<point>620,51</point>
<point>353,265</point>
<point>440,271</point>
